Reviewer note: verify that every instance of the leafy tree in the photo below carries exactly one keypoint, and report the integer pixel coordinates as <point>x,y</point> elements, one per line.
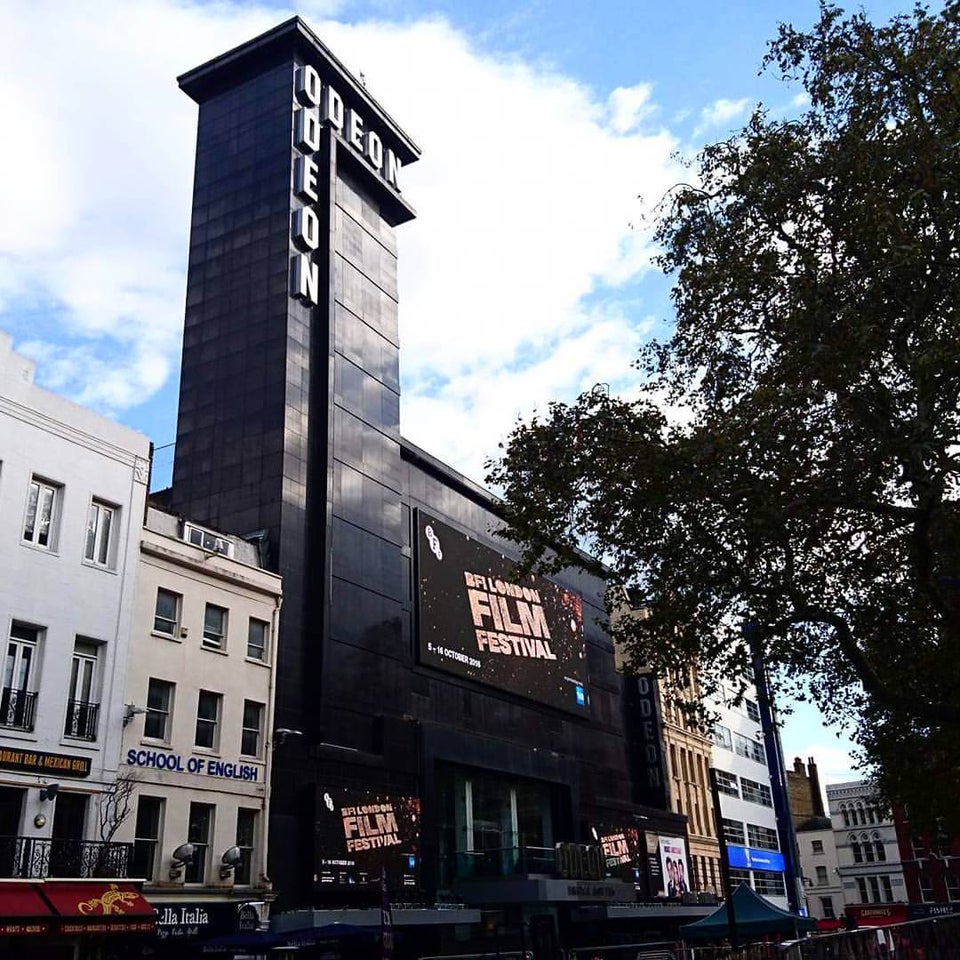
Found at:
<point>790,458</point>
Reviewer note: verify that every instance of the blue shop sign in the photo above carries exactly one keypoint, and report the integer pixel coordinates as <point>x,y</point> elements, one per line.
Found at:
<point>748,858</point>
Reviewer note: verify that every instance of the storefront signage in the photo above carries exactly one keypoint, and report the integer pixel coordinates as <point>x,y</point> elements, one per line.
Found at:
<point>478,618</point>
<point>318,104</point>
<point>642,696</point>
<point>579,861</point>
<point>749,858</point>
<point>35,761</point>
<point>673,864</point>
<point>182,921</point>
<point>621,849</point>
<point>203,766</point>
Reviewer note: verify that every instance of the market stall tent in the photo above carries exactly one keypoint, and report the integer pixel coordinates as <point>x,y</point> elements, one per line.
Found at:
<point>753,917</point>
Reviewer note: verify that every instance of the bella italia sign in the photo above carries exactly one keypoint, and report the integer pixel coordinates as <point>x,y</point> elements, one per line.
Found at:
<point>316,105</point>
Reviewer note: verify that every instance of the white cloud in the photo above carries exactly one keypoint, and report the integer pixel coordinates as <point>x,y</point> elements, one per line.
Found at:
<point>515,279</point>
<point>629,106</point>
<point>722,112</point>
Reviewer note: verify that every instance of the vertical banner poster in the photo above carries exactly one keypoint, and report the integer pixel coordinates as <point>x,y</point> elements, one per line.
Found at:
<point>363,837</point>
<point>673,863</point>
<point>479,619</point>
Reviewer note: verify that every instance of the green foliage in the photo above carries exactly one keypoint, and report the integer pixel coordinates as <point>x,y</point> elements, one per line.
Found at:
<point>792,456</point>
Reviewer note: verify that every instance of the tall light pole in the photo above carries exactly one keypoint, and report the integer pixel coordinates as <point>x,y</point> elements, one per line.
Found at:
<point>775,767</point>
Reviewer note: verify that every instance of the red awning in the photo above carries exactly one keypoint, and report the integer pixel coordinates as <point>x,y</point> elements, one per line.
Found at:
<point>23,912</point>
<point>99,906</point>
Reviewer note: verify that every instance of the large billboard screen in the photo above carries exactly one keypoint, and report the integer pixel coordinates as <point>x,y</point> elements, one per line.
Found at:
<point>480,620</point>
<point>623,855</point>
<point>359,833</point>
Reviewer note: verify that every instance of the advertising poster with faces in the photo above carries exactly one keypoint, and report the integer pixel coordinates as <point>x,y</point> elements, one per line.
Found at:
<point>673,863</point>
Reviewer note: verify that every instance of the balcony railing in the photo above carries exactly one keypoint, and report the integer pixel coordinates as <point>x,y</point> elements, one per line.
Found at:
<point>81,719</point>
<point>17,708</point>
<point>32,858</point>
<point>500,862</point>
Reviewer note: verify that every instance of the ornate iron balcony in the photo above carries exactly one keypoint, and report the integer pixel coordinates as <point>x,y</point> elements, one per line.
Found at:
<point>81,719</point>
<point>17,708</point>
<point>32,858</point>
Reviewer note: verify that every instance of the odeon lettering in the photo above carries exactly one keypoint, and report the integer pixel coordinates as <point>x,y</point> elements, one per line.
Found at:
<point>204,766</point>
<point>316,105</point>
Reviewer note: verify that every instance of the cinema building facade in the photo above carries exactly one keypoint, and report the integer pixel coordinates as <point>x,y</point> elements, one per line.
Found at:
<point>445,721</point>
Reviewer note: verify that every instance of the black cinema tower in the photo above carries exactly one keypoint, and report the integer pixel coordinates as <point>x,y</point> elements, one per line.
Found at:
<point>289,429</point>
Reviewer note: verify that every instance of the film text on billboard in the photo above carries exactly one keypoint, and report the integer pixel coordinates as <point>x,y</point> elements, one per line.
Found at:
<point>359,835</point>
<point>479,619</point>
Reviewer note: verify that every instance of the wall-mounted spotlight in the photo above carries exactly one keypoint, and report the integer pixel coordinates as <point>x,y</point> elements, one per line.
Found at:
<point>231,859</point>
<point>49,791</point>
<point>180,858</point>
<point>131,710</point>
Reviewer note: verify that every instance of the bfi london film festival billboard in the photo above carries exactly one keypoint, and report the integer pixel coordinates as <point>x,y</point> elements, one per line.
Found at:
<point>478,619</point>
<point>359,833</point>
<point>623,853</point>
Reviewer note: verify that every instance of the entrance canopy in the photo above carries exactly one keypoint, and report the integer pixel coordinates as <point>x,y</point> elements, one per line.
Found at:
<point>753,917</point>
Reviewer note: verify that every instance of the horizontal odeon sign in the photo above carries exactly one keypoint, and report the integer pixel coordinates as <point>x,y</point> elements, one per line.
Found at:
<point>317,104</point>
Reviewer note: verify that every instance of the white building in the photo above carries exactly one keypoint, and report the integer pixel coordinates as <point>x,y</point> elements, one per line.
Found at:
<point>199,715</point>
<point>820,869</point>
<point>868,859</point>
<point>746,799</point>
<point>72,492</point>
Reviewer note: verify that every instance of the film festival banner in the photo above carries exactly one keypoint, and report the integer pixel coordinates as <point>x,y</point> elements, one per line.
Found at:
<point>623,854</point>
<point>480,620</point>
<point>673,862</point>
<point>363,837</point>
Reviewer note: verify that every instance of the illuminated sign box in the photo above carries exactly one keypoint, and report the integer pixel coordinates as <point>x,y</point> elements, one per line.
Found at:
<point>360,833</point>
<point>479,619</point>
<point>749,858</point>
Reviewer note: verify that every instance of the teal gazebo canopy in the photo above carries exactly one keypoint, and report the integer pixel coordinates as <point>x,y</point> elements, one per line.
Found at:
<point>753,916</point>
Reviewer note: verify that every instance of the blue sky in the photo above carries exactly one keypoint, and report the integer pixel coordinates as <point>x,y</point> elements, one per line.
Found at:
<point>548,130</point>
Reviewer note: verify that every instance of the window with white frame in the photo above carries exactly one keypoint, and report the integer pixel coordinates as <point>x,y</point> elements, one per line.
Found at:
<point>753,711</point>
<point>756,792</point>
<point>208,719</point>
<point>156,723</point>
<point>252,733</point>
<point>166,614</point>
<point>727,783</point>
<point>822,878</point>
<point>146,836</point>
<point>18,695</point>
<point>762,837</point>
<point>214,627</point>
<point>768,883</point>
<point>199,832</point>
<point>816,846</point>
<point>258,640</point>
<point>101,523</point>
<point>953,886</point>
<point>862,889</point>
<point>887,888</point>
<point>926,887</point>
<point>40,520</point>
<point>246,842</point>
<point>733,831</point>
<point>826,908</point>
<point>720,735</point>
<point>207,541</point>
<point>82,706</point>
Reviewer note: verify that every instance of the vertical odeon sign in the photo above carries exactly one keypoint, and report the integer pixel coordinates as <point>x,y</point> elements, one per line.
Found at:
<point>317,104</point>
